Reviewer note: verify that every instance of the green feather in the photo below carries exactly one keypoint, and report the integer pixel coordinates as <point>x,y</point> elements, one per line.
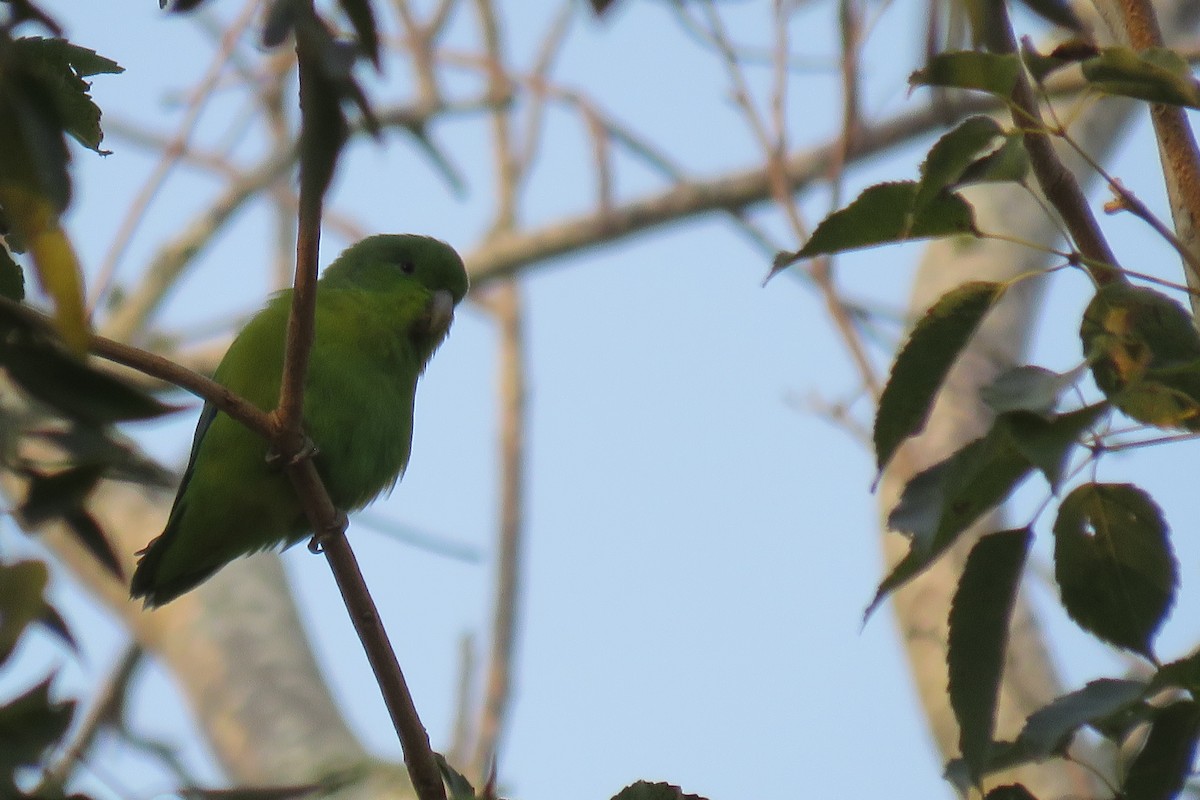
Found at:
<point>382,310</point>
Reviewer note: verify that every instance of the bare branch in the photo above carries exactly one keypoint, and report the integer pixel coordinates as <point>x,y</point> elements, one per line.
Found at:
<point>505,304</point>
<point>171,154</point>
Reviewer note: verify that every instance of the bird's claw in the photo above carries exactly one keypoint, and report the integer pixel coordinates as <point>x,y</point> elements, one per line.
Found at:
<point>308,449</point>
<point>317,543</point>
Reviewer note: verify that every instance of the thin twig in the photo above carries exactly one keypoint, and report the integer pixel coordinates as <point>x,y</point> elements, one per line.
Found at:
<point>1055,179</point>
<point>174,257</point>
<point>537,81</point>
<point>105,707</point>
<point>171,154</point>
<point>156,366</point>
<point>318,113</point>
<point>464,705</point>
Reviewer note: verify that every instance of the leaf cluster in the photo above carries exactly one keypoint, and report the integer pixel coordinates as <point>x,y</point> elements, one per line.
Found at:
<point>33,722</point>
<point>1114,564</point>
<point>71,405</point>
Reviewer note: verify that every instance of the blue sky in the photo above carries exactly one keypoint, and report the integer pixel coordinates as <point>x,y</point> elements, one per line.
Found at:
<point>701,543</point>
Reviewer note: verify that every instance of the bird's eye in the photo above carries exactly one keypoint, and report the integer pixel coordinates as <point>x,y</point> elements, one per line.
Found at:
<point>408,267</point>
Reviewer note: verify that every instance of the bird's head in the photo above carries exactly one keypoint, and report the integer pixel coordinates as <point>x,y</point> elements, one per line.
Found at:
<point>401,262</point>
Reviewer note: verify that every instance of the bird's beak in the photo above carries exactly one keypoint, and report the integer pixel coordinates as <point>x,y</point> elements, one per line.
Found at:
<point>441,311</point>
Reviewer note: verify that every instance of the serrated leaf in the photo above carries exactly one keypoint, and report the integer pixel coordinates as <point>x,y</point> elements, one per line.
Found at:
<point>643,790</point>
<point>1156,74</point>
<point>33,153</point>
<point>978,639</point>
<point>29,725</point>
<point>60,67</point>
<point>1145,354</point>
<point>952,154</point>
<point>1012,791</point>
<point>1028,388</point>
<point>1047,443</point>
<point>924,361</point>
<point>971,69</point>
<point>1114,564</point>
<point>883,214</point>
<point>938,504</point>
<point>74,388</point>
<point>1163,765</point>
<point>1049,730</point>
<point>12,279</point>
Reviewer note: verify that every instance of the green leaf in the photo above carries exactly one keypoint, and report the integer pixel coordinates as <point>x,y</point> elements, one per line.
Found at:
<point>1011,791</point>
<point>1156,74</point>
<point>1003,756</point>
<point>181,6</point>
<point>87,531</point>
<point>883,214</point>
<point>1183,672</point>
<point>1049,730</point>
<point>53,496</point>
<point>279,20</point>
<point>924,361</point>
<point>60,68</point>
<point>363,19</point>
<point>1028,388</point>
<point>952,154</point>
<point>1113,563</point>
<point>22,588</point>
<point>62,496</point>
<point>978,639</point>
<point>33,153</point>
<point>12,279</point>
<point>1008,164</point>
<point>1145,354</point>
<point>1047,443</point>
<point>90,446</point>
<point>460,788</point>
<point>937,505</point>
<point>74,388</point>
<point>643,790</point>
<point>971,69</point>
<point>1162,767</point>
<point>29,725</point>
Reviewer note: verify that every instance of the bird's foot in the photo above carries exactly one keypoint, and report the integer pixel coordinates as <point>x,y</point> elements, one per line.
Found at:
<point>308,449</point>
<point>338,527</point>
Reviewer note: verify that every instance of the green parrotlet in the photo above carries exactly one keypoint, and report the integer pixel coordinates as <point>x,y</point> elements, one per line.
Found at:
<point>382,310</point>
